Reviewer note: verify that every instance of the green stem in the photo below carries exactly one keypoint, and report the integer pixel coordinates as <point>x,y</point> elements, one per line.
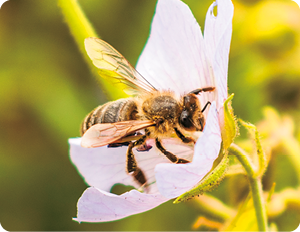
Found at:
<point>258,203</point>
<point>78,24</point>
<point>255,185</point>
<point>243,157</point>
<point>80,29</point>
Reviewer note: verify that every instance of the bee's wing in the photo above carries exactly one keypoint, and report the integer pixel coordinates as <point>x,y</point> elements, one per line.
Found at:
<point>113,65</point>
<point>106,133</point>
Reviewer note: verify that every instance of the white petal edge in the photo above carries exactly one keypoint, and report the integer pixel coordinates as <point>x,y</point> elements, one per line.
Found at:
<point>96,205</point>
<point>100,167</point>
<point>176,179</point>
<point>217,37</point>
<point>175,51</point>
<point>103,167</point>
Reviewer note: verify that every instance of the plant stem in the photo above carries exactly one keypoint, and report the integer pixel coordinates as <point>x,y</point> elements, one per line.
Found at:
<point>78,24</point>
<point>255,185</point>
<point>80,29</point>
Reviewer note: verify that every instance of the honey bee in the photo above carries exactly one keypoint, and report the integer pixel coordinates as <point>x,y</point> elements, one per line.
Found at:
<point>159,113</point>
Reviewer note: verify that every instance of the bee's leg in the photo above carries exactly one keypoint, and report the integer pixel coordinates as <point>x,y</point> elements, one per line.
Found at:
<point>173,158</point>
<point>131,164</point>
<point>183,137</point>
<point>112,145</point>
<point>145,146</point>
<point>207,89</point>
<point>120,144</point>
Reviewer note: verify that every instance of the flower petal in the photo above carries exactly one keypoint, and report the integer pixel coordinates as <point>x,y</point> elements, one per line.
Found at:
<point>175,50</point>
<point>175,179</point>
<point>217,37</point>
<point>102,167</point>
<point>96,205</point>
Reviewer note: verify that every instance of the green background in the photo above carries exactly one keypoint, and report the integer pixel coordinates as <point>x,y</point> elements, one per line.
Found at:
<point>46,90</point>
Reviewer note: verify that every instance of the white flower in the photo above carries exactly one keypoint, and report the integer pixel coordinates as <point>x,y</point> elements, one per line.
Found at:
<point>179,58</point>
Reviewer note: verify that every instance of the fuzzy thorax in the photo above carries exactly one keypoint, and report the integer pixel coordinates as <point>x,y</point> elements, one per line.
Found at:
<point>163,108</point>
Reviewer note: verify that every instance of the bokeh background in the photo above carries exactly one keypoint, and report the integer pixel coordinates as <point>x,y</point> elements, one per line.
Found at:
<point>46,90</point>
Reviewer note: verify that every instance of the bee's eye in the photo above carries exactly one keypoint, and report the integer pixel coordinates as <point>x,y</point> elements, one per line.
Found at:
<point>185,120</point>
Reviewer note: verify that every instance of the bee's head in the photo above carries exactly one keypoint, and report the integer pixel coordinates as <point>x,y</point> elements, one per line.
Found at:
<point>191,118</point>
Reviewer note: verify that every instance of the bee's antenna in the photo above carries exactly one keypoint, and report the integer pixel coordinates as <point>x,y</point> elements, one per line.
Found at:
<point>206,89</point>
<point>204,108</point>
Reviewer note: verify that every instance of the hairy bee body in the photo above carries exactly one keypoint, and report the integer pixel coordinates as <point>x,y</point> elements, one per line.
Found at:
<point>161,107</point>
<point>123,109</point>
<point>160,113</point>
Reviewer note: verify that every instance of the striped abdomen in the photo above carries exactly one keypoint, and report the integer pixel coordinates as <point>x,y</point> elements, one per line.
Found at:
<point>121,110</point>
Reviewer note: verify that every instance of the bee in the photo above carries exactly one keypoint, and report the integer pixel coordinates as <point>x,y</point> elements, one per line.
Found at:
<point>160,113</point>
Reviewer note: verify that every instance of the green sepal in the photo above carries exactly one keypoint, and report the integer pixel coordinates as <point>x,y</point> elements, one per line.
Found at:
<point>210,181</point>
<point>262,161</point>
<point>228,124</point>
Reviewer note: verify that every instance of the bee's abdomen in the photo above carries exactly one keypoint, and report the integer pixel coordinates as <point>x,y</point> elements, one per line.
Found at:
<point>115,111</point>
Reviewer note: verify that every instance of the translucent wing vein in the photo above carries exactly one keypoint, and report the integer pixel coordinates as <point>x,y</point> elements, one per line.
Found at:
<point>113,65</point>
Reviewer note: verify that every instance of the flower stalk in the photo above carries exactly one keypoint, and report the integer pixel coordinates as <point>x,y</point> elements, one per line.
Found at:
<point>255,185</point>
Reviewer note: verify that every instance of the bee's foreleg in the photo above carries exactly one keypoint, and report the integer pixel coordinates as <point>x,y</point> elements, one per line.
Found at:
<point>183,137</point>
<point>173,158</point>
<point>131,164</point>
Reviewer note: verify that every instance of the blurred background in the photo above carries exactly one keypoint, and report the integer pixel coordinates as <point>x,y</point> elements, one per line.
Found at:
<point>46,90</point>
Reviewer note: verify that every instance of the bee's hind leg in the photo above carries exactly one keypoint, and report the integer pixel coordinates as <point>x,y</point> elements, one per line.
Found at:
<point>144,146</point>
<point>111,145</point>
<point>131,164</point>
<point>173,158</point>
